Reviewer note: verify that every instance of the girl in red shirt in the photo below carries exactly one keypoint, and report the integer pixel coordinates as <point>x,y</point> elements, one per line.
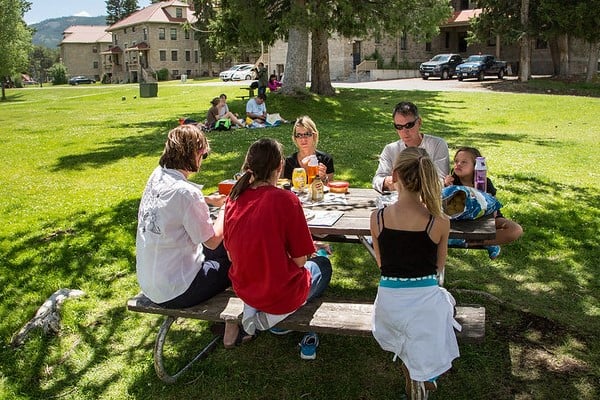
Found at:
<point>269,244</point>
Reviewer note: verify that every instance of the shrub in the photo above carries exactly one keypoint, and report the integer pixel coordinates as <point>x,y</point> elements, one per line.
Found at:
<point>58,72</point>
<point>162,74</point>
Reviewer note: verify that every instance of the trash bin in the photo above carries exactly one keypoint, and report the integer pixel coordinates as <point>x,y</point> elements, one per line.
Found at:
<point>183,78</point>
<point>149,89</point>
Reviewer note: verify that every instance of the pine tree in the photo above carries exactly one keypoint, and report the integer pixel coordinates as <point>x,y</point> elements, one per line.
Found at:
<point>116,10</point>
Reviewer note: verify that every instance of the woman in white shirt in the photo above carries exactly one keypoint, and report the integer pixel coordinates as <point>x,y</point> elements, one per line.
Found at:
<point>180,257</point>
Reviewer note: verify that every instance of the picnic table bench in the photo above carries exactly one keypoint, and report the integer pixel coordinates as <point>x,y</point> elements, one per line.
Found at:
<point>322,315</point>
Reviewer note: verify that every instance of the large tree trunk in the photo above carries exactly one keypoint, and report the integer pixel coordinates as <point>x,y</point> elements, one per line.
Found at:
<point>296,62</point>
<point>563,54</point>
<point>320,75</point>
<point>592,67</point>
<point>525,45</point>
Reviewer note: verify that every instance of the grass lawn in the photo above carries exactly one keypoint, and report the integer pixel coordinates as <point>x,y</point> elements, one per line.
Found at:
<point>76,160</point>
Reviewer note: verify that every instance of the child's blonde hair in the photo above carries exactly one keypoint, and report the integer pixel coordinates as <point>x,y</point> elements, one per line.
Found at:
<point>417,173</point>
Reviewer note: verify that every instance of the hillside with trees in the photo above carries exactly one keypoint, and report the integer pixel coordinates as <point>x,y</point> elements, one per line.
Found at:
<point>49,32</point>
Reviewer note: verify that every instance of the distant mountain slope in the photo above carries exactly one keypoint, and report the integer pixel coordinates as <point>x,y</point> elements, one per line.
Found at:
<point>49,32</point>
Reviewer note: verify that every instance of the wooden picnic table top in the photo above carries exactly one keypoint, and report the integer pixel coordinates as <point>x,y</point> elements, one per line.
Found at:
<point>360,203</point>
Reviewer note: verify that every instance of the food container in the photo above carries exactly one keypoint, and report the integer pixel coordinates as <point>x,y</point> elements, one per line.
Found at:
<point>226,185</point>
<point>338,186</point>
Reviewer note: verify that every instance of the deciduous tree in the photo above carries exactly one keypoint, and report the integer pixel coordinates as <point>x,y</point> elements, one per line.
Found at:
<point>15,39</point>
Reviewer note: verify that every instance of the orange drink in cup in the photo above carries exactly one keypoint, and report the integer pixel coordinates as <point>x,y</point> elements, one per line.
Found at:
<point>312,167</point>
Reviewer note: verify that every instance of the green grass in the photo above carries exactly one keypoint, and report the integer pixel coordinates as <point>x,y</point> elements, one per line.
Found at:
<point>76,159</point>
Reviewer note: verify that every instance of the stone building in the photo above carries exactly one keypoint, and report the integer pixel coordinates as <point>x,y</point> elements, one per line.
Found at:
<point>81,47</point>
<point>151,39</point>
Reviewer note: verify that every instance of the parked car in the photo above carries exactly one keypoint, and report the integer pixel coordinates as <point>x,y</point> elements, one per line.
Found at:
<point>76,80</point>
<point>244,73</point>
<point>227,74</point>
<point>480,65</point>
<point>441,65</point>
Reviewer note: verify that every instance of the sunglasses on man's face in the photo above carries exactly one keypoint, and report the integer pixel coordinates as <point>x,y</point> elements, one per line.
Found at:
<point>408,125</point>
<point>303,135</point>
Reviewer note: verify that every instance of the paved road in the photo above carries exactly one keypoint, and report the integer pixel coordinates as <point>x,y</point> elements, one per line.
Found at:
<point>433,84</point>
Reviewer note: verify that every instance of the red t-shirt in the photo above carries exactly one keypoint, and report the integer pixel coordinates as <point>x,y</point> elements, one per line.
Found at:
<point>264,229</point>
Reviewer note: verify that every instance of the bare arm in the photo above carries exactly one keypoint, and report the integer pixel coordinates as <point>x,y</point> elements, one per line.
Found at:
<point>214,241</point>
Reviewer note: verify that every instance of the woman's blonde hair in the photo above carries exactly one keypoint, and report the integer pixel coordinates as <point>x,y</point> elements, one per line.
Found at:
<point>263,157</point>
<point>307,123</point>
<point>182,147</point>
<point>418,173</point>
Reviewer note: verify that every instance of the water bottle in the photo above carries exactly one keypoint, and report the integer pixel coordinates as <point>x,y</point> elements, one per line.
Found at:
<point>480,174</point>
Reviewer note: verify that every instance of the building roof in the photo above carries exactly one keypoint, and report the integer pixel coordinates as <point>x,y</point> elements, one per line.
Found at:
<point>86,34</point>
<point>461,18</point>
<point>156,13</point>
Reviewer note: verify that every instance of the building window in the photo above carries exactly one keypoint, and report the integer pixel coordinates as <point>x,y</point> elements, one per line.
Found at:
<point>161,34</point>
<point>175,73</point>
<point>178,12</point>
<point>188,55</point>
<point>173,55</point>
<point>95,65</point>
<point>186,34</point>
<point>403,41</point>
<point>145,33</point>
<point>125,30</point>
<point>491,41</point>
<point>133,29</point>
<point>427,46</point>
<point>464,5</point>
<point>173,33</point>
<point>162,55</point>
<point>116,39</point>
<point>196,56</point>
<point>447,40</point>
<point>94,49</point>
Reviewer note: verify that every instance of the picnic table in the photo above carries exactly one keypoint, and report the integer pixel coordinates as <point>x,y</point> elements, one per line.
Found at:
<point>341,217</point>
<point>356,206</point>
<point>250,94</point>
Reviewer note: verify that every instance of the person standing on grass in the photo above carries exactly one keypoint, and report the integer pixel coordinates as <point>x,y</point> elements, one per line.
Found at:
<point>413,314</point>
<point>463,173</point>
<point>407,123</point>
<point>263,78</point>
<point>270,247</point>
<point>180,258</point>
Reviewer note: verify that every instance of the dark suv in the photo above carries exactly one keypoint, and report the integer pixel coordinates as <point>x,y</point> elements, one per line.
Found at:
<point>442,65</point>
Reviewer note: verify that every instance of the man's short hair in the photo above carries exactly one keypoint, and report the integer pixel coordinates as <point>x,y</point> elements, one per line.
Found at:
<point>262,96</point>
<point>406,108</point>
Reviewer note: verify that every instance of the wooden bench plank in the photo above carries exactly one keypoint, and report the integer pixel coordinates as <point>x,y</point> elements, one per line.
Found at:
<point>323,315</point>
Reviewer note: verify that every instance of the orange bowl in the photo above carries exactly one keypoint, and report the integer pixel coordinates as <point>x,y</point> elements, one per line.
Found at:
<point>226,185</point>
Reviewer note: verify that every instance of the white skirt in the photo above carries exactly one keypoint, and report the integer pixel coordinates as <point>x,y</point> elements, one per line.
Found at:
<point>417,325</point>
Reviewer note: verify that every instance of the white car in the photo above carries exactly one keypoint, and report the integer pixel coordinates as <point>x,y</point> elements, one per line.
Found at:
<point>244,73</point>
<point>228,74</point>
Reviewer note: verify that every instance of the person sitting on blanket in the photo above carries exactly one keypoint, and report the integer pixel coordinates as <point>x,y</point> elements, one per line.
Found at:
<point>215,113</point>
<point>256,110</point>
